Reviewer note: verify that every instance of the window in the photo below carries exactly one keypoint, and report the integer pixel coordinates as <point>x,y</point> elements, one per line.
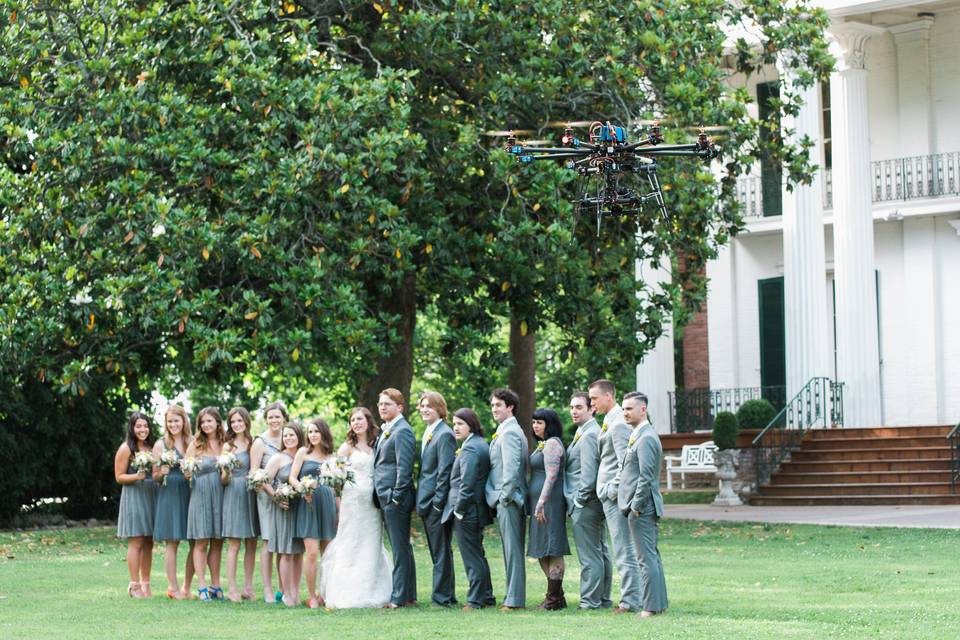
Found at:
<point>825,125</point>
<point>771,181</point>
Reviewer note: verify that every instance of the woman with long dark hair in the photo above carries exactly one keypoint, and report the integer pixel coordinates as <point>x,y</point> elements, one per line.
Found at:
<point>137,501</point>
<point>240,521</point>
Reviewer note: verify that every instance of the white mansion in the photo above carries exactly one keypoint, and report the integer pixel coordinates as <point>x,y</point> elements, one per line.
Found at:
<point>857,276</point>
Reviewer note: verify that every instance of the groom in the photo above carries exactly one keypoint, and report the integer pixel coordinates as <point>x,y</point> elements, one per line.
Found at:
<point>394,493</point>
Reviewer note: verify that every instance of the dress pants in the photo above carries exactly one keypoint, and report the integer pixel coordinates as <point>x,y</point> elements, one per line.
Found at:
<point>624,555</point>
<point>511,519</point>
<point>596,571</point>
<point>441,553</point>
<point>644,530</point>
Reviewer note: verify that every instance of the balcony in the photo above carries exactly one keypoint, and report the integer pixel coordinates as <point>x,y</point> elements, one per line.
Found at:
<point>897,180</point>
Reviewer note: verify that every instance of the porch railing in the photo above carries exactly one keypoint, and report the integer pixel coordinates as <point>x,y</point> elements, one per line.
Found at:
<point>695,409</point>
<point>818,404</point>
<point>898,179</point>
<point>954,439</point>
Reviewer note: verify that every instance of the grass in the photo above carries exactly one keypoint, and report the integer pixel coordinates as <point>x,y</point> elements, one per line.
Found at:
<point>724,580</point>
<point>689,496</point>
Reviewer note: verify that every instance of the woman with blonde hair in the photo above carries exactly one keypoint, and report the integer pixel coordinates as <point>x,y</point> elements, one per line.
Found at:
<point>240,522</point>
<point>204,519</point>
<point>137,503</point>
<point>173,497</point>
<point>265,446</point>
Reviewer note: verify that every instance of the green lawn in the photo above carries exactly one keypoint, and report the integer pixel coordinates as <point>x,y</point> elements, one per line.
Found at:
<point>725,581</point>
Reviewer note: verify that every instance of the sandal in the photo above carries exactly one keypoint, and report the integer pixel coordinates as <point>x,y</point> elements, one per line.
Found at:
<point>247,595</point>
<point>133,590</point>
<point>216,593</point>
<point>204,594</point>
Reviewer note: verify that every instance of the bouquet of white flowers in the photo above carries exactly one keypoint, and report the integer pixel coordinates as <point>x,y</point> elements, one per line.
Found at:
<point>336,473</point>
<point>189,466</point>
<point>283,494</point>
<point>257,479</point>
<point>169,459</point>
<point>227,462</point>
<point>142,461</point>
<point>308,485</point>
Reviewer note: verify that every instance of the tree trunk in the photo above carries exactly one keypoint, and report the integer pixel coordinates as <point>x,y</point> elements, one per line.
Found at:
<point>523,370</point>
<point>395,369</point>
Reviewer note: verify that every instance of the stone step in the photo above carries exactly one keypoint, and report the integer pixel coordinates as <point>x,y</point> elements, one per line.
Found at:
<point>813,501</point>
<point>897,453</point>
<point>865,466</point>
<point>855,489</point>
<point>861,477</point>
<point>896,442</point>
<point>880,432</point>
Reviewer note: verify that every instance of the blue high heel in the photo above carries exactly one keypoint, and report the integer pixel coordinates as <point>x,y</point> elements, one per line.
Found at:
<point>204,594</point>
<point>216,593</point>
<point>278,596</point>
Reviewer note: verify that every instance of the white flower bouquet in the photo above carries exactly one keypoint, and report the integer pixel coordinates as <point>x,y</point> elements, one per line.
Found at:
<point>189,466</point>
<point>308,485</point>
<point>169,459</point>
<point>283,494</point>
<point>257,479</point>
<point>227,462</point>
<point>142,461</point>
<point>336,473</point>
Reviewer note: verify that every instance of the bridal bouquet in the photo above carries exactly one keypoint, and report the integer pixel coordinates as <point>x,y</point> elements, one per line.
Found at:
<point>257,479</point>
<point>336,473</point>
<point>189,466</point>
<point>142,461</point>
<point>227,462</point>
<point>169,459</point>
<point>283,494</point>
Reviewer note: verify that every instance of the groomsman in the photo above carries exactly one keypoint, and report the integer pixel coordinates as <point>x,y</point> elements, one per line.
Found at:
<point>612,443</point>
<point>640,501</point>
<point>394,494</point>
<point>436,459</point>
<point>507,492</point>
<point>584,508</point>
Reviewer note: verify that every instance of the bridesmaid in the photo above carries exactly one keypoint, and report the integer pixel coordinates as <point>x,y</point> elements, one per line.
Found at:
<point>173,498</point>
<point>204,519</point>
<point>467,505</point>
<point>283,528</point>
<point>137,504</point>
<point>548,526</point>
<point>265,447</point>
<point>239,505</point>
<point>317,513</point>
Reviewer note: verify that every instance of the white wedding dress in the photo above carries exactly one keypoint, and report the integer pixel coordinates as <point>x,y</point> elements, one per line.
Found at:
<point>356,571</point>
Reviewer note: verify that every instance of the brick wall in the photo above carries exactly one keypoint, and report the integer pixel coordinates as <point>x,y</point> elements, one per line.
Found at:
<point>696,352</point>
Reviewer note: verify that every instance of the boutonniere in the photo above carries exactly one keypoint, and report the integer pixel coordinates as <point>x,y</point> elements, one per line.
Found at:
<point>540,445</point>
<point>457,452</point>
<point>386,433</point>
<point>631,441</point>
<point>494,438</point>
<point>428,438</point>
<point>603,429</point>
<point>576,437</point>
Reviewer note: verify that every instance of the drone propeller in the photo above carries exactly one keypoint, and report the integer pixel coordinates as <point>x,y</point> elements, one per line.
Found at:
<point>507,134</point>
<point>671,124</point>
<point>568,124</point>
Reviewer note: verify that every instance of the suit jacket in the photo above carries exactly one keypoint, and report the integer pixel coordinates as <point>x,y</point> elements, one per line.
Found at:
<point>468,479</point>
<point>509,458</point>
<point>612,442</point>
<point>435,463</point>
<point>580,473</point>
<point>395,452</point>
<point>640,473</point>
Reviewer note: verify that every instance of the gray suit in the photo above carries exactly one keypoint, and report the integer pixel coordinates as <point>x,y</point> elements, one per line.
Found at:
<point>506,491</point>
<point>432,488</point>
<point>612,443</point>
<point>640,500</point>
<point>586,512</point>
<point>468,478</point>
<point>394,495</point>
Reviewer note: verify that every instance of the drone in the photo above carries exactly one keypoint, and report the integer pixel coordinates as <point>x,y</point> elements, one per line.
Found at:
<point>607,157</point>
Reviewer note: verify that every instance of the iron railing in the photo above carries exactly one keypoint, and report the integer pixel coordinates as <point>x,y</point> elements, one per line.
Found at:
<point>908,178</point>
<point>954,439</point>
<point>818,403</point>
<point>695,409</point>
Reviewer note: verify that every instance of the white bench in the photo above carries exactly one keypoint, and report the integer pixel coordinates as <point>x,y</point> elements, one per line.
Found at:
<point>694,458</point>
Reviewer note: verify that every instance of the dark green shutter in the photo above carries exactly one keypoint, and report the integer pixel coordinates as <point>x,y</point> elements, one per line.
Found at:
<point>773,343</point>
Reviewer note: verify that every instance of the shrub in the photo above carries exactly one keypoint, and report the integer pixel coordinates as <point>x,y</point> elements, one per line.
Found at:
<point>756,414</point>
<point>725,428</point>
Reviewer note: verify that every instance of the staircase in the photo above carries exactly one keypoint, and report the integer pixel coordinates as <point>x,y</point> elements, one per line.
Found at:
<point>887,465</point>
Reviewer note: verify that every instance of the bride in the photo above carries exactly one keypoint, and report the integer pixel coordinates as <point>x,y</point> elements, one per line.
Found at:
<point>355,571</point>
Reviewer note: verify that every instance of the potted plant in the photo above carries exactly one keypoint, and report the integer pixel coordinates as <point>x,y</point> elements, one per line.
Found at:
<point>727,457</point>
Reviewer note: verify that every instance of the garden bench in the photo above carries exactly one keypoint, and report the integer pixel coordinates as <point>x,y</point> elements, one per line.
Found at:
<point>694,458</point>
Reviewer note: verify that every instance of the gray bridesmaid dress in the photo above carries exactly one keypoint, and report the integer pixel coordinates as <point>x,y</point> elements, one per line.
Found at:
<point>137,506</point>
<point>205,516</point>
<point>549,538</point>
<point>173,503</point>
<point>240,504</point>
<point>283,531</point>
<point>318,518</point>
<point>265,504</point>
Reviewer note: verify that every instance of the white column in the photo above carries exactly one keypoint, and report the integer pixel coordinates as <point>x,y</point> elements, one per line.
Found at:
<point>858,357</point>
<point>914,91</point>
<point>804,261</point>
<point>655,374</point>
